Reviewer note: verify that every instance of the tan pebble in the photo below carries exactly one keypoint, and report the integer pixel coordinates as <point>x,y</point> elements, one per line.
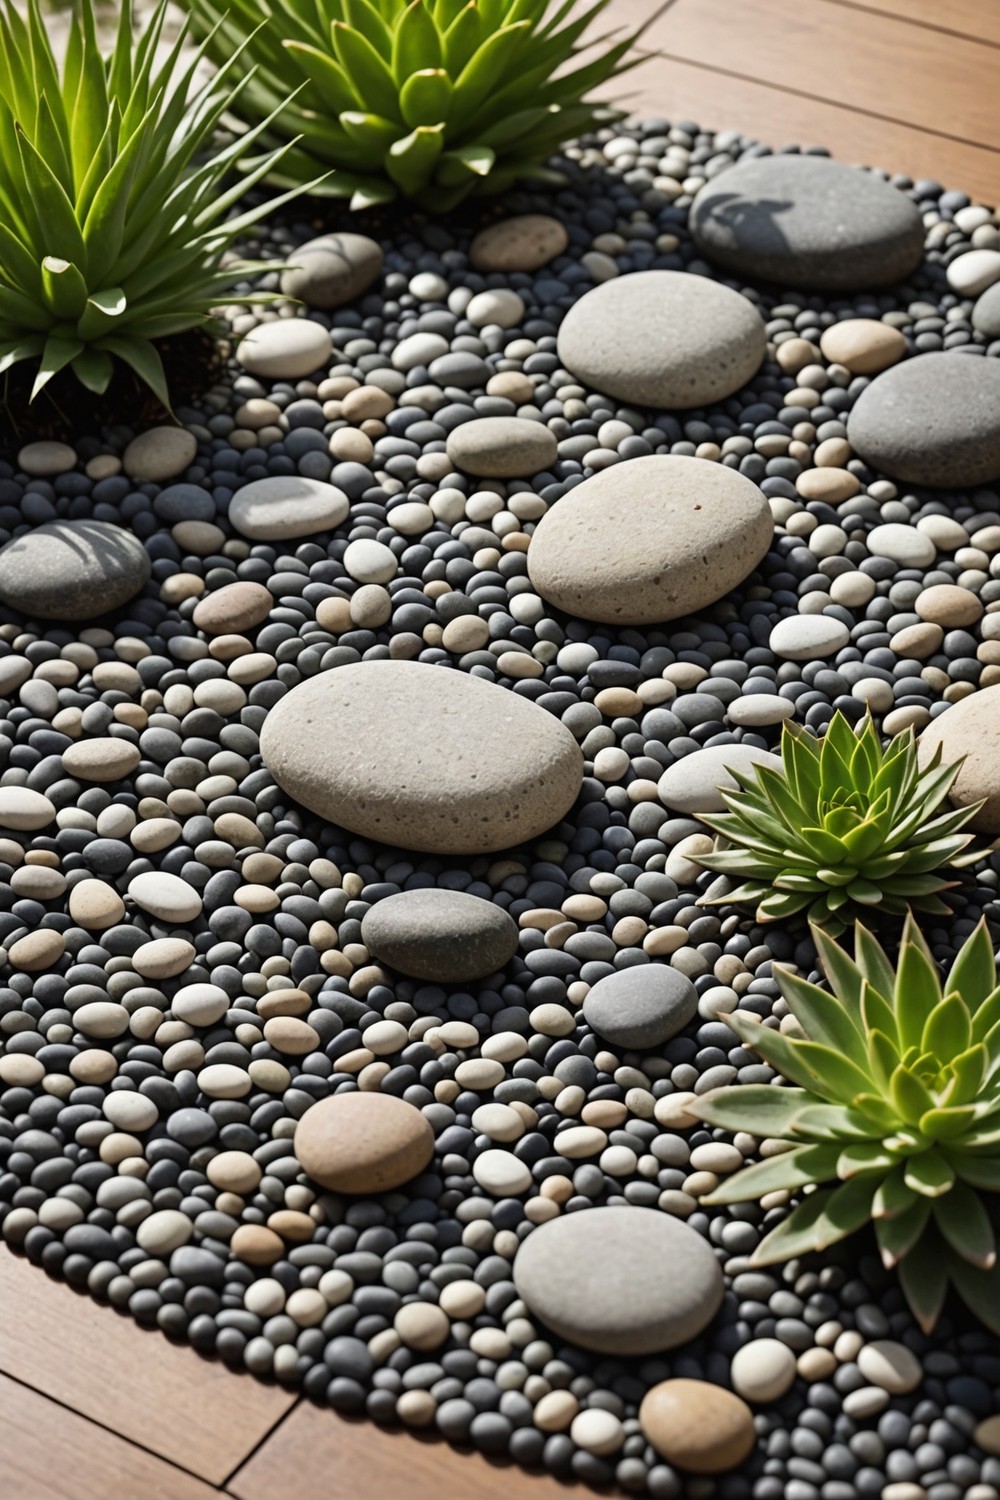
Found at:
<point>199,538</point>
<point>795,354</point>
<point>363,1142</point>
<point>234,1172</point>
<point>462,1299</point>
<point>555,1411</point>
<point>831,485</point>
<point>292,1225</point>
<point>987,1435</point>
<point>267,1074</point>
<point>862,345</point>
<point>233,608</point>
<point>366,402</point>
<point>597,1431</point>
<point>20,1070</point>
<point>94,1066</point>
<point>618,703</point>
<point>37,882</point>
<point>522,243</point>
<point>307,1307</point>
<point>257,1245</point>
<point>283,1003</point>
<point>262,869</point>
<point>224,1081</point>
<point>37,950</point>
<point>101,759</point>
<point>350,445</point>
<point>96,905</point>
<point>891,1365</point>
<point>163,958</point>
<point>466,633</point>
<point>948,605</point>
<point>479,1073</point>
<point>584,908</point>
<point>291,1036</point>
<point>334,615</point>
<point>697,1426</point>
<point>370,606</point>
<point>833,453</point>
<point>257,898</point>
<point>512,385</point>
<point>422,1325</point>
<point>918,641</point>
<point>816,1364</point>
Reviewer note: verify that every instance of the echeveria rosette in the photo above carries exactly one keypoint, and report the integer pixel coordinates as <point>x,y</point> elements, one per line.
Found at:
<point>114,221</point>
<point>895,1101</point>
<point>424,99</point>
<point>844,826</point>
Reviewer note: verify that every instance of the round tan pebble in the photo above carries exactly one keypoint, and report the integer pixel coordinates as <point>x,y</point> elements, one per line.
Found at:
<point>422,1325</point>
<point>462,1299</point>
<point>581,1141</point>
<point>522,243</point>
<point>828,484</point>
<point>283,1003</point>
<point>101,759</point>
<point>200,538</point>
<point>597,1431</point>
<point>96,905</point>
<point>416,1408</point>
<point>307,1306</point>
<point>289,1035</point>
<point>363,1142</point>
<point>163,958</point>
<point>37,882</point>
<point>37,950</point>
<point>233,609</point>
<point>795,354</point>
<point>948,605</point>
<point>919,641</point>
<point>20,1070</point>
<point>499,1121</point>
<point>466,633</point>
<point>159,453</point>
<point>334,615</point>
<point>862,345</point>
<point>257,1245</point>
<point>366,403</point>
<point>555,1411</point>
<point>224,1081</point>
<point>512,385</point>
<point>987,1434</point>
<point>891,1365</point>
<point>816,1364</point>
<point>292,1225</point>
<point>698,1426</point>
<point>234,1172</point>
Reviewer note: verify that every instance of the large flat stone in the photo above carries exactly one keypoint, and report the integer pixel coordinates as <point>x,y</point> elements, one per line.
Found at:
<point>72,570</point>
<point>934,420</point>
<point>970,729</point>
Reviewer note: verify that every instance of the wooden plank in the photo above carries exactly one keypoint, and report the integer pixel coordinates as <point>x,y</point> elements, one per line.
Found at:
<point>317,1455</point>
<point>979,19</point>
<point>867,61</point>
<point>49,1453</point>
<point>677,90</point>
<point>193,1411</point>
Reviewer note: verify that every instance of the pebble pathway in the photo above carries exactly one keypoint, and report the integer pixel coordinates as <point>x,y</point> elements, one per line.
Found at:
<point>354,987</point>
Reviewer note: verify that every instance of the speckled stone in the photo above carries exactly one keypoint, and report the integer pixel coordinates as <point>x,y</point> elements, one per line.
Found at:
<point>522,243</point>
<point>807,221</point>
<point>650,539</point>
<point>332,269</point>
<point>933,420</point>
<point>72,570</point>
<point>440,935</point>
<point>619,1280</point>
<point>502,447</point>
<point>663,338</point>
<point>422,757</point>
<point>970,729</point>
<point>697,1426</point>
<point>640,1007</point>
<point>363,1142</point>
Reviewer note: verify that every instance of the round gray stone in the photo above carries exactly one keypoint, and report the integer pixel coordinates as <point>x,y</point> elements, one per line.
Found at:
<point>986,313</point>
<point>808,221</point>
<point>619,1280</point>
<point>650,539</point>
<point>502,447</point>
<point>641,1007</point>
<point>663,338</point>
<point>933,420</point>
<point>332,269</point>
<point>422,757</point>
<point>440,935</point>
<point>285,507</point>
<point>692,784</point>
<point>72,570</point>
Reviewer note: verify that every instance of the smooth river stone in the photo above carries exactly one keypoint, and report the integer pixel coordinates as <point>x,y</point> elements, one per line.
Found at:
<point>970,728</point>
<point>663,338</point>
<point>422,757</point>
<point>650,539</point>
<point>440,935</point>
<point>523,243</point>
<point>807,221</point>
<point>986,313</point>
<point>697,1426</point>
<point>285,507</point>
<point>502,447</point>
<point>363,1142</point>
<point>932,420</point>
<point>72,570</point>
<point>692,784</point>
<point>803,637</point>
<point>333,269</point>
<point>640,1007</point>
<point>285,349</point>
<point>619,1280</point>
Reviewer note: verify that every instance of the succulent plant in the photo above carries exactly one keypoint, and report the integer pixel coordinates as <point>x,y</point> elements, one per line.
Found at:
<point>428,99</point>
<point>842,827</point>
<point>896,1100</point>
<point>112,232</point>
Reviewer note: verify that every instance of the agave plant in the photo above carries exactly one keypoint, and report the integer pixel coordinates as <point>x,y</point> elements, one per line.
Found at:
<point>112,232</point>
<point>842,826</point>
<point>430,99</point>
<point>896,1101</point>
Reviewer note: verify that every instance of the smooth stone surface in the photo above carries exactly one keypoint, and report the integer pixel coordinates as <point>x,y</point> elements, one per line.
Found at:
<point>933,420</point>
<point>233,608</point>
<point>100,759</point>
<point>423,757</point>
<point>363,1142</point>
<point>807,221</point>
<point>619,1280</point>
<point>649,539</point>
<point>903,544</point>
<point>640,1007</point>
<point>758,709</point>
<point>332,269</point>
<point>285,349</point>
<point>72,570</point>
<point>161,453</point>
<point>522,243</point>
<point>24,809</point>
<point>165,896</point>
<point>986,313</point>
<point>441,935</point>
<point>691,784</point>
<point>862,345</point>
<point>663,338</point>
<point>700,1427</point>
<point>802,637</point>
<point>502,447</point>
<point>890,1365</point>
<point>763,1370</point>
<point>970,729</point>
<point>46,457</point>
<point>973,272</point>
<point>285,507</point>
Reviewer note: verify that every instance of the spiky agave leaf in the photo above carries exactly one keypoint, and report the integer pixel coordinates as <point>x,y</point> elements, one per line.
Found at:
<point>843,827</point>
<point>892,1115</point>
<point>424,99</point>
<point>114,221</point>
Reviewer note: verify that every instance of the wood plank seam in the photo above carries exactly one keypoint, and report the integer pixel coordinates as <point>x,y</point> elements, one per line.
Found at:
<point>874,10</point>
<point>265,1437</point>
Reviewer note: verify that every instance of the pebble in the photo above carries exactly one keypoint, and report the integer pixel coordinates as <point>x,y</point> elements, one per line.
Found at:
<point>286,349</point>
<point>561,1272</point>
<point>502,447</point>
<point>159,453</point>
<point>72,570</point>
<point>233,609</point>
<point>639,1008</point>
<point>165,896</point>
<point>865,346</point>
<point>803,637</point>
<point>986,313</point>
<point>525,242</point>
<point>973,272</point>
<point>807,221</point>
<point>650,539</point>
<point>967,732</point>
<point>934,420</point>
<point>493,768</point>
<point>331,270</point>
<point>440,935</point>
<point>24,810</point>
<point>282,509</point>
<point>699,1427</point>
<point>363,1142</point>
<point>763,1370</point>
<point>891,1365</point>
<point>663,338</point>
<point>693,784</point>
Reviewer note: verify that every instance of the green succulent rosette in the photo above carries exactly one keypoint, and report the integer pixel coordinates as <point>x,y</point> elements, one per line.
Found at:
<point>842,828</point>
<point>895,1103</point>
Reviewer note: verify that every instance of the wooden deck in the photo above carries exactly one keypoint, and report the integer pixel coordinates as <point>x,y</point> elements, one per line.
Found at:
<point>94,1408</point>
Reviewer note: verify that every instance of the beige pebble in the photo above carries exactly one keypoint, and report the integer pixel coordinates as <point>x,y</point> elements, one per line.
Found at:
<point>762,1370</point>
<point>597,1431</point>
<point>101,759</point>
<point>987,1434</point>
<point>96,905</point>
<point>462,1299</point>
<point>891,1365</point>
<point>162,958</point>
<point>234,1172</point>
<point>697,1426</point>
<point>257,1245</point>
<point>422,1325</point>
<point>862,345</point>
<point>555,1411</point>
<point>828,484</point>
<point>948,605</point>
